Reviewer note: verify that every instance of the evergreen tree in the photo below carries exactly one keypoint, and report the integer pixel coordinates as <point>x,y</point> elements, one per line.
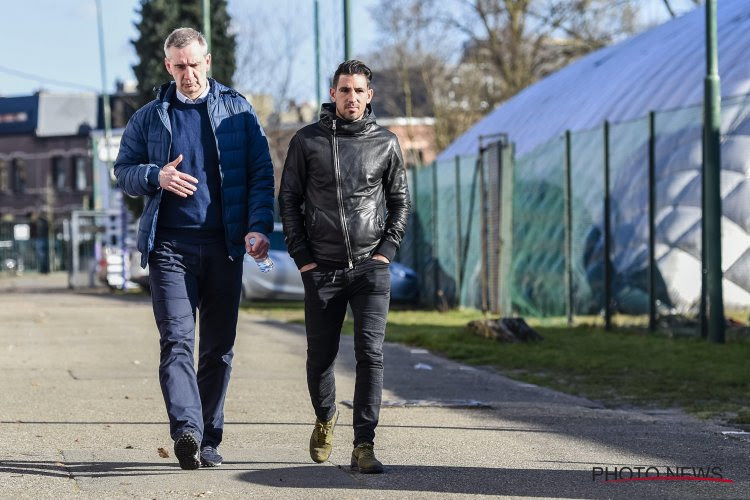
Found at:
<point>158,19</point>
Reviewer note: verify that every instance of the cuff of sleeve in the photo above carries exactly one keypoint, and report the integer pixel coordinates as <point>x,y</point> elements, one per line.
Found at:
<point>302,258</point>
<point>261,227</point>
<point>387,250</point>
<point>152,176</point>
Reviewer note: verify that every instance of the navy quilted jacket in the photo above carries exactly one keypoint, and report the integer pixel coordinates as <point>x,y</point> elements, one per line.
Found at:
<point>245,167</point>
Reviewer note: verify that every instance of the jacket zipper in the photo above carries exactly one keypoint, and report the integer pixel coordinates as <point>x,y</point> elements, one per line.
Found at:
<point>164,121</point>
<point>340,196</point>
<point>210,103</point>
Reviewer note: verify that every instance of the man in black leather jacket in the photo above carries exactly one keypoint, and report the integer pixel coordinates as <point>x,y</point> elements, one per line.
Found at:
<point>344,204</point>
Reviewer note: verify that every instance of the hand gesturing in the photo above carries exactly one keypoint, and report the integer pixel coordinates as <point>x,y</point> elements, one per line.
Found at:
<point>175,181</point>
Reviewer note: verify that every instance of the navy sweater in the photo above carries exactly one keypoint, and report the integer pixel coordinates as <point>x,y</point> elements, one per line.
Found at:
<point>197,218</point>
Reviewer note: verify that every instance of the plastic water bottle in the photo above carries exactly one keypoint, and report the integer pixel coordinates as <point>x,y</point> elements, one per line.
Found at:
<point>265,264</point>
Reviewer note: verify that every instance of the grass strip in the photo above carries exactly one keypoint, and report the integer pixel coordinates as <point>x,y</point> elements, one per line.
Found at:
<point>626,367</point>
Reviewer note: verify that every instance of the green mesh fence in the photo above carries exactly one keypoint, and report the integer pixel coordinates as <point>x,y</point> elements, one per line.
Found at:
<point>471,252</point>
<point>468,211</point>
<point>538,263</point>
<point>736,130</point>
<point>629,215</point>
<point>445,234</point>
<point>587,206</point>
<point>423,226</point>
<point>678,208</point>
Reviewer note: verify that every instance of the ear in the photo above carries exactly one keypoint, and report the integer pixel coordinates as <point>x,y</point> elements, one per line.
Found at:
<point>168,65</point>
<point>369,95</point>
<point>332,92</point>
<point>208,60</point>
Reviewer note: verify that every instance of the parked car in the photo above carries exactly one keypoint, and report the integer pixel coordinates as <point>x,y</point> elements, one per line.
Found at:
<point>109,268</point>
<point>284,281</point>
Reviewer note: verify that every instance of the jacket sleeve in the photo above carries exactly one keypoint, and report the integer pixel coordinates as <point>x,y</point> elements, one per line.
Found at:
<point>291,199</point>
<point>132,167</point>
<point>260,177</point>
<point>397,203</point>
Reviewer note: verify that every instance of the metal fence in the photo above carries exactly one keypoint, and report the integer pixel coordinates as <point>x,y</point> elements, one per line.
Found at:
<point>530,234</point>
<point>32,245</point>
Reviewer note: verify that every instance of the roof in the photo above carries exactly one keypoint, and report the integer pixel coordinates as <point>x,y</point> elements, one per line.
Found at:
<point>662,68</point>
<point>48,114</point>
<point>18,114</point>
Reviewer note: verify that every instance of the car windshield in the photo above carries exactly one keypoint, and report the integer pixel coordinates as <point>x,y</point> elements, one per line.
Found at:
<point>277,241</point>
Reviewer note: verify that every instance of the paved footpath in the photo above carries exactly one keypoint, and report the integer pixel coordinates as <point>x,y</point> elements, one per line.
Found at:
<point>81,416</point>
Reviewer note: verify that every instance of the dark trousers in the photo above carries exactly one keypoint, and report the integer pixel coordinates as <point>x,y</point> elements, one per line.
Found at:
<point>327,292</point>
<point>183,277</point>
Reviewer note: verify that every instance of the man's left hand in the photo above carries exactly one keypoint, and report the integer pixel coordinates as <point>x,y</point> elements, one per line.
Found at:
<point>258,249</point>
<point>381,258</point>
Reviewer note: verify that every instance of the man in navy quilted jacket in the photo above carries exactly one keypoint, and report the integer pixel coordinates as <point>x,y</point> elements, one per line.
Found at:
<point>200,157</point>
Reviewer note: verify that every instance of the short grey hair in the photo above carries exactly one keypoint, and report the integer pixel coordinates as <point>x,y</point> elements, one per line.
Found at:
<point>182,37</point>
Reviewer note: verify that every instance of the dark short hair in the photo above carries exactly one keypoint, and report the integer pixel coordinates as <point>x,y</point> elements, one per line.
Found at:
<point>352,67</point>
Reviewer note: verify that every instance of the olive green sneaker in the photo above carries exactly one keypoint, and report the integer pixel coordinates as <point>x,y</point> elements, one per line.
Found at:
<point>363,460</point>
<point>321,441</point>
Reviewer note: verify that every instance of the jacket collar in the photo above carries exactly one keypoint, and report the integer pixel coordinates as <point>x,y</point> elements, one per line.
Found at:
<point>328,116</point>
<point>167,91</point>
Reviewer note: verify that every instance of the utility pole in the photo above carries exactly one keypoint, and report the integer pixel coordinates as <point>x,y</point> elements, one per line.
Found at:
<point>711,179</point>
<point>347,30</point>
<point>317,57</point>
<point>207,27</point>
<point>108,141</point>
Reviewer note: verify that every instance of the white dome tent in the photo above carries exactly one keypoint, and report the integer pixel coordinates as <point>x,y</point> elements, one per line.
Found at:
<point>660,70</point>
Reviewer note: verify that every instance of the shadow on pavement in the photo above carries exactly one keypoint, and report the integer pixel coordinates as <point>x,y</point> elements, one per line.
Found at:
<point>437,479</point>
<point>72,470</point>
<point>86,469</point>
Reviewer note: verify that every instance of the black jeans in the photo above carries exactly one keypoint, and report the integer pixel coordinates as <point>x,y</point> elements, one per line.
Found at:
<point>367,288</point>
<point>184,277</point>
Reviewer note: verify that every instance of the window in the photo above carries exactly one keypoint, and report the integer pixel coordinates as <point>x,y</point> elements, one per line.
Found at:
<point>59,176</point>
<point>4,177</point>
<point>18,175</point>
<point>79,173</point>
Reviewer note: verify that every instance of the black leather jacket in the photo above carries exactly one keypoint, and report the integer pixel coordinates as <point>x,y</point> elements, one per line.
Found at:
<point>343,193</point>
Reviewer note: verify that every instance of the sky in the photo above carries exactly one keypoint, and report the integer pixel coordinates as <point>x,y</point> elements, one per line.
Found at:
<point>54,45</point>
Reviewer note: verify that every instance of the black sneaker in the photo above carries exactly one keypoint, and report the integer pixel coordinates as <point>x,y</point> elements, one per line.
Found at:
<point>186,450</point>
<point>210,457</point>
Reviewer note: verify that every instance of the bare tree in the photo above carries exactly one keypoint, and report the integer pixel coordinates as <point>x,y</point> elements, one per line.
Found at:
<point>267,63</point>
<point>671,10</point>
<point>473,54</point>
<point>524,40</point>
<point>413,76</point>
<point>268,53</point>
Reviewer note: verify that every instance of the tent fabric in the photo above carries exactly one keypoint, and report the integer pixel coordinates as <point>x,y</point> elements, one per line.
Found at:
<point>660,69</point>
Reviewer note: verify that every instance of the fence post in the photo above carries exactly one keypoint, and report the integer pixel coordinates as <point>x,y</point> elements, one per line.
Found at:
<point>712,180</point>
<point>652,221</point>
<point>505,233</point>
<point>568,195</point>
<point>418,223</point>
<point>459,249</point>
<point>607,230</point>
<point>435,265</point>
<point>483,232</point>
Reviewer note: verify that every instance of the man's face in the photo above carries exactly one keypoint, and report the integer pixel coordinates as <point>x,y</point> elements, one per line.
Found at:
<point>351,96</point>
<point>189,67</point>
